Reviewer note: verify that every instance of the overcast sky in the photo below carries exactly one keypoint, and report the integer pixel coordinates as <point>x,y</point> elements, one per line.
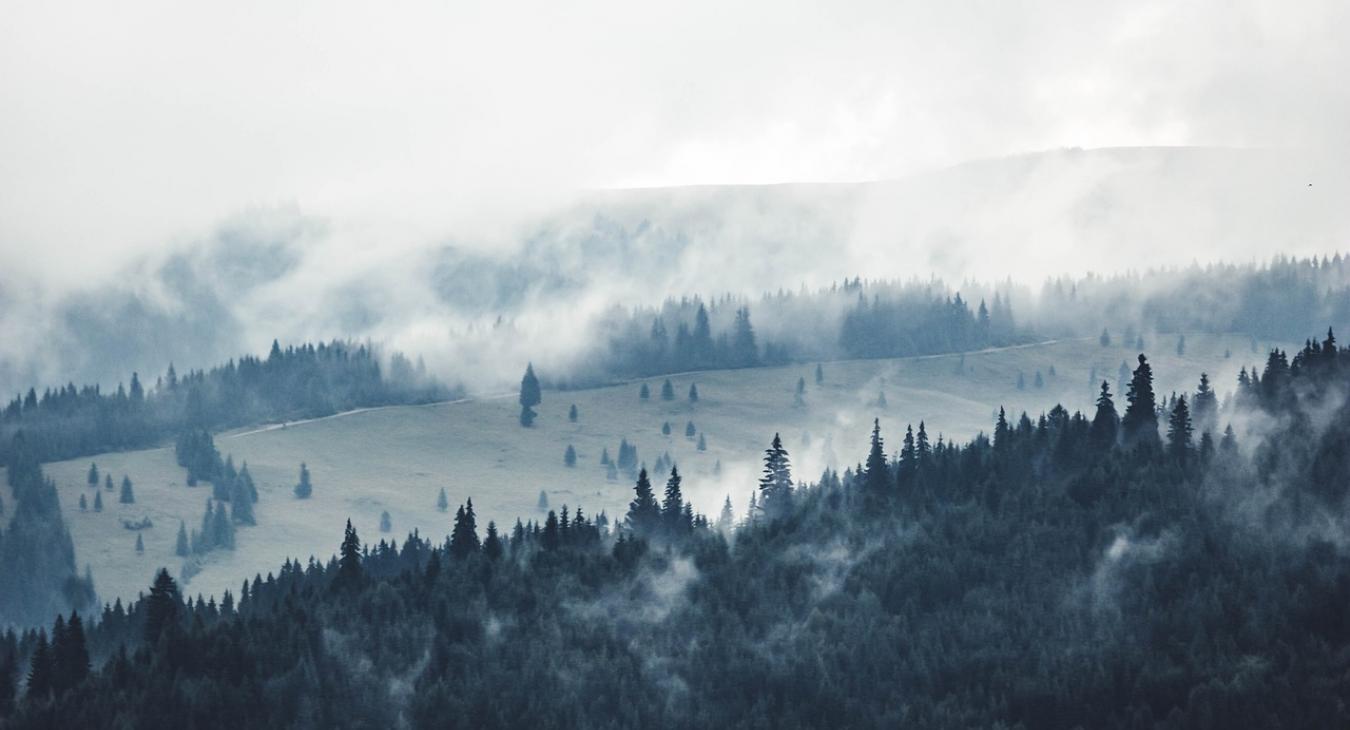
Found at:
<point>127,125</point>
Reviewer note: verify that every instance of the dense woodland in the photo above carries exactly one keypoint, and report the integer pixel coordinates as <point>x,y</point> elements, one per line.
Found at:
<point>1116,569</point>
<point>303,381</point>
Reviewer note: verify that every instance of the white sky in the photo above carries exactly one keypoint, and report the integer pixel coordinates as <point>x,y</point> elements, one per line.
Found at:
<point>127,125</point>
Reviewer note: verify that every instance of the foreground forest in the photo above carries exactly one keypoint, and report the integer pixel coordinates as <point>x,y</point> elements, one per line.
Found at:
<point>1139,566</point>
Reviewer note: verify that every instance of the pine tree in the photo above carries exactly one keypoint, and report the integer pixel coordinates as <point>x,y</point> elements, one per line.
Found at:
<point>84,505</point>
<point>42,670</point>
<point>492,544</point>
<point>693,392</point>
<point>667,390</point>
<point>107,482</point>
<point>241,503</point>
<point>703,444</point>
<point>464,536</point>
<point>744,351</point>
<point>644,514</point>
<point>1105,423</point>
<point>128,496</point>
<point>386,522</point>
<point>1021,381</point>
<point>775,485</point>
<point>1181,345</point>
<point>727,518</point>
<point>98,501</point>
<point>162,607</point>
<point>877,478</point>
<point>70,655</point>
<point>665,428</point>
<point>1205,406</point>
<point>1179,430</point>
<point>1039,382</point>
<point>442,501</point>
<point>542,502</point>
<point>1140,423</point>
<point>1105,339</point>
<point>570,456</point>
<point>304,489</point>
<point>350,572</point>
<point>820,374</point>
<point>181,548</point>
<point>140,544</point>
<point>530,396</point>
<point>247,479</point>
<point>93,475</point>
<point>672,509</point>
<point>572,413</point>
<point>644,393</point>
<point>552,537</point>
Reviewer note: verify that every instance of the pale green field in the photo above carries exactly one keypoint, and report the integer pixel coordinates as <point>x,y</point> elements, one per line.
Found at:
<point>397,458</point>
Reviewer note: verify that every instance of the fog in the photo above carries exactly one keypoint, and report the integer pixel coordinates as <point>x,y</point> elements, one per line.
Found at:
<point>477,183</point>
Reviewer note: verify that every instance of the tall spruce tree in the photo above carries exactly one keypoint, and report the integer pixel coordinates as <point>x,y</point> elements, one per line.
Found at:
<point>1105,423</point>
<point>644,513</point>
<point>1179,430</point>
<point>128,496</point>
<point>464,535</point>
<point>672,509</point>
<point>1139,426</point>
<point>162,607</point>
<point>181,548</point>
<point>41,671</point>
<point>530,396</point>
<point>350,572</point>
<point>492,544</point>
<point>304,489</point>
<point>775,484</point>
<point>877,477</point>
<point>442,501</point>
<point>92,479</point>
<point>667,390</point>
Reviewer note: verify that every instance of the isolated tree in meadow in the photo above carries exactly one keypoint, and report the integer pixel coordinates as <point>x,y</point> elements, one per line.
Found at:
<point>703,445</point>
<point>530,394</point>
<point>1105,338</point>
<point>98,501</point>
<point>667,390</point>
<point>644,393</point>
<point>542,502</point>
<point>820,374</point>
<point>604,456</point>
<point>570,456</point>
<point>304,489</point>
<point>93,475</point>
<point>881,399</point>
<point>128,496</point>
<point>140,544</point>
<point>1039,382</point>
<point>799,398</point>
<point>693,392</point>
<point>181,547</point>
<point>442,501</point>
<point>107,482</point>
<point>665,428</point>
<point>1140,423</point>
<point>689,430</point>
<point>1181,345</point>
<point>644,513</point>
<point>386,522</point>
<point>572,413</point>
<point>84,506</point>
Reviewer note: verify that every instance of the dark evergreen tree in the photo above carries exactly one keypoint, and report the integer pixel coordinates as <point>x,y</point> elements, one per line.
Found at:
<point>386,522</point>
<point>140,544</point>
<point>162,607</point>
<point>665,428</point>
<point>689,430</point>
<point>350,572</point>
<point>1179,430</point>
<point>667,390</point>
<point>1105,423</point>
<point>702,443</point>
<point>181,548</point>
<point>572,413</point>
<point>93,476</point>
<point>42,670</point>
<point>84,505</point>
<point>551,538</point>
<point>672,508</point>
<point>693,392</point>
<point>98,501</point>
<point>70,655</point>
<point>492,544</point>
<point>241,502</point>
<point>1181,345</point>
<point>442,501</point>
<point>570,456</point>
<point>775,485</point>
<point>1205,406</point>
<point>530,393</point>
<point>542,502</point>
<point>644,513</point>
<point>127,496</point>
<point>303,489</point>
<point>464,536</point>
<point>820,374</point>
<point>1139,426</point>
<point>877,477</point>
<point>644,393</point>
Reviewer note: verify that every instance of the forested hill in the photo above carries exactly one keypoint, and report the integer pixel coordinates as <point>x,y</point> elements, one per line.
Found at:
<point>1124,568</point>
<point>302,381</point>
